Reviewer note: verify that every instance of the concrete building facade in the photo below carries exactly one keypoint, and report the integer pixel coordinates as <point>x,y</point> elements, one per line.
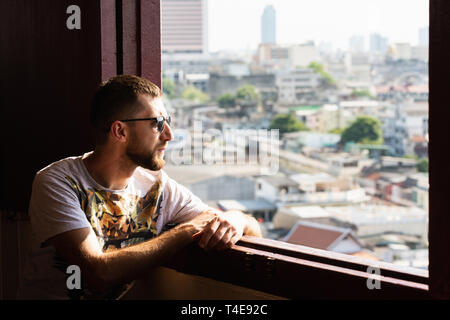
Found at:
<point>184,26</point>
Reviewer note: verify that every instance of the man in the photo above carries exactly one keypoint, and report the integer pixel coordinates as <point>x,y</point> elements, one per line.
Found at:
<point>109,211</point>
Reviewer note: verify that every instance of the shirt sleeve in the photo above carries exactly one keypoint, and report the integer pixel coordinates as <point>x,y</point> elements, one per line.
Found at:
<point>181,204</point>
<point>54,207</point>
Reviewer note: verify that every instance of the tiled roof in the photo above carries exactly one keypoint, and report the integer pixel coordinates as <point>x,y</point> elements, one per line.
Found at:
<point>374,176</point>
<point>418,139</point>
<point>315,235</point>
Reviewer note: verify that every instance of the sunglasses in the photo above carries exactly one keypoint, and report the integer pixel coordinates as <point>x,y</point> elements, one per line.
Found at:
<point>159,121</point>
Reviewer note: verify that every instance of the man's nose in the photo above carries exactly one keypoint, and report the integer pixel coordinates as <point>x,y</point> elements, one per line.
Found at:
<point>167,134</point>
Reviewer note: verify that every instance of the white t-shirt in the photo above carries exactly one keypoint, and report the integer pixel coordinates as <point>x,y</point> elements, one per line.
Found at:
<point>65,197</point>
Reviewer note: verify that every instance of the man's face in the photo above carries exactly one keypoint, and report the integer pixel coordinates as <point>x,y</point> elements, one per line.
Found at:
<point>146,145</point>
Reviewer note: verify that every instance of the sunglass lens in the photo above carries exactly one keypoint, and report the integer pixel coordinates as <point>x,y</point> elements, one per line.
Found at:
<point>161,125</point>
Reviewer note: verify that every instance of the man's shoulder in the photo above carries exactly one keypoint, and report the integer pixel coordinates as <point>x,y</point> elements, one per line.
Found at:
<point>58,169</point>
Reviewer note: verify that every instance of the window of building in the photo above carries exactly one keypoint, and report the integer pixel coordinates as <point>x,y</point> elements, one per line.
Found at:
<point>348,80</point>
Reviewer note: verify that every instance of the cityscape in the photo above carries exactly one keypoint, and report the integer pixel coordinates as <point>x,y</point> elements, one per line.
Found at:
<point>327,148</point>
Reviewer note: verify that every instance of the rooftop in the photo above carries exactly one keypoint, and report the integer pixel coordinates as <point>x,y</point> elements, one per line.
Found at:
<point>313,177</point>
<point>319,236</point>
<point>246,205</point>
<point>280,181</point>
<point>306,212</point>
<point>189,174</point>
<point>378,214</point>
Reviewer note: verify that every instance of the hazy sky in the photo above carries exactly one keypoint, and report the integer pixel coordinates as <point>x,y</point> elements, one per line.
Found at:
<point>236,24</point>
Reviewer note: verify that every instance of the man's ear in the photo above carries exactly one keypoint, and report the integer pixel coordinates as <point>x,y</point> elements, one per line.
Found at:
<point>119,131</point>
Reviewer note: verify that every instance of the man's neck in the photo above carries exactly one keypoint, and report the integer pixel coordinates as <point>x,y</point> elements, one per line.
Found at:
<point>109,170</point>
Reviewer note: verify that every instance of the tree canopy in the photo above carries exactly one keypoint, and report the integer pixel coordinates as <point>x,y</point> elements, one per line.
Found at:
<point>227,100</point>
<point>248,94</point>
<point>336,131</point>
<point>362,93</point>
<point>287,123</point>
<point>422,165</point>
<point>318,68</point>
<point>194,94</point>
<point>168,88</point>
<point>364,129</point>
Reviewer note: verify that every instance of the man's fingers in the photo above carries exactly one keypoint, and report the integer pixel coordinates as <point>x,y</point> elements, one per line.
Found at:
<point>225,242</point>
<point>198,235</point>
<point>218,236</point>
<point>208,232</point>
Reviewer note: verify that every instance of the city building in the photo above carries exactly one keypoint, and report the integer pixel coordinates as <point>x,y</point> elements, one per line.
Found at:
<point>308,189</point>
<point>297,86</point>
<point>378,44</point>
<point>358,66</point>
<point>221,83</point>
<point>324,237</point>
<point>412,121</point>
<point>377,219</point>
<point>273,57</point>
<point>276,189</point>
<point>268,25</point>
<point>301,55</point>
<point>424,36</point>
<point>402,51</point>
<point>184,26</point>
<point>419,53</point>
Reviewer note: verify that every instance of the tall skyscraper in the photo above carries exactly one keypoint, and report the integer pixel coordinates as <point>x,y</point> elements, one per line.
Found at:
<point>378,43</point>
<point>268,25</point>
<point>423,37</point>
<point>184,26</point>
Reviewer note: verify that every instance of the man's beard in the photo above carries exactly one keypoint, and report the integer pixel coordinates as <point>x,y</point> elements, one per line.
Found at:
<point>149,161</point>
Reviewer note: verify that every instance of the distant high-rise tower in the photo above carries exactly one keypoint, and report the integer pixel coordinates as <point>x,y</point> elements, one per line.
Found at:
<point>423,37</point>
<point>378,43</point>
<point>184,26</point>
<point>268,25</point>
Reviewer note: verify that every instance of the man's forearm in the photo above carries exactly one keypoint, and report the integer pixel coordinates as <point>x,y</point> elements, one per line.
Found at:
<point>124,265</point>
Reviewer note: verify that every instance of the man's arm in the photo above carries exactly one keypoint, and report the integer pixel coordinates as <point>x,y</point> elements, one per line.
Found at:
<point>104,270</point>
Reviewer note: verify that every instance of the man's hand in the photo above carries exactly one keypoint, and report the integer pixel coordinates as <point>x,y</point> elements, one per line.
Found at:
<point>220,230</point>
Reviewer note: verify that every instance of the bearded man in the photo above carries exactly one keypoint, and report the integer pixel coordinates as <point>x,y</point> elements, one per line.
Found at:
<point>108,212</point>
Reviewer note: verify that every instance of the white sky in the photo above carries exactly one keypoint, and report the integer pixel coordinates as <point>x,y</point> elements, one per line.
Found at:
<point>236,24</point>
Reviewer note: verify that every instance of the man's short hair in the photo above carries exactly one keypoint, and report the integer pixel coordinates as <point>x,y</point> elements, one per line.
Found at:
<point>116,99</point>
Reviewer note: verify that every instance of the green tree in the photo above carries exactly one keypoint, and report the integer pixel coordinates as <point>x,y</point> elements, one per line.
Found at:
<point>422,165</point>
<point>168,88</point>
<point>194,94</point>
<point>318,68</point>
<point>336,131</point>
<point>226,100</point>
<point>361,93</point>
<point>248,94</point>
<point>411,156</point>
<point>364,129</point>
<point>287,123</point>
